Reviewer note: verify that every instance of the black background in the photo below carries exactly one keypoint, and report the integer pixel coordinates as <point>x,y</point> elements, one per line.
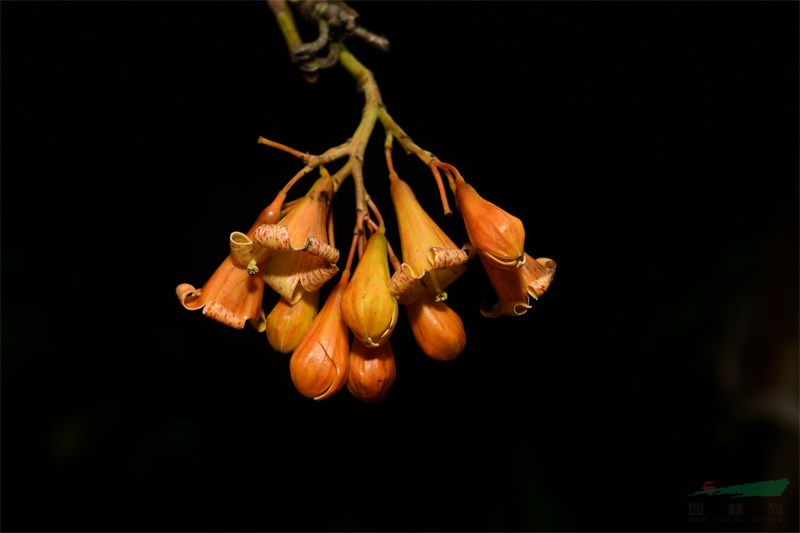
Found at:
<point>650,148</point>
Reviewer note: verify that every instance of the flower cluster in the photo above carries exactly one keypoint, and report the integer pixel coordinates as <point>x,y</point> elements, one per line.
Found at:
<point>290,248</point>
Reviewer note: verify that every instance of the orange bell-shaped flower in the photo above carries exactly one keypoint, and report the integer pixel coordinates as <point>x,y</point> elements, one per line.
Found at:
<point>514,287</point>
<point>437,328</point>
<point>321,362</point>
<point>367,305</point>
<point>431,260</point>
<point>496,234</point>
<point>287,323</point>
<point>301,258</point>
<point>233,293</point>
<point>372,371</point>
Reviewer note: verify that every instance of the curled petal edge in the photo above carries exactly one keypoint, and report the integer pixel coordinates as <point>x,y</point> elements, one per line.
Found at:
<point>440,258</point>
<point>276,237</point>
<point>403,282</point>
<point>506,309</point>
<point>539,286</point>
<point>534,290</point>
<point>220,313</point>
<point>313,280</point>
<point>242,249</point>
<point>188,294</point>
<point>505,264</point>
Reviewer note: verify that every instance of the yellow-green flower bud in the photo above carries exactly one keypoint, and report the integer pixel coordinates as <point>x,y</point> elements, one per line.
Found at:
<point>368,307</point>
<point>287,323</point>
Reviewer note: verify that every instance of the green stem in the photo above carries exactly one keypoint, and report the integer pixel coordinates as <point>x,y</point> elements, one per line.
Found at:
<point>373,105</point>
<point>403,138</point>
<point>373,111</point>
<point>283,15</point>
<point>393,130</point>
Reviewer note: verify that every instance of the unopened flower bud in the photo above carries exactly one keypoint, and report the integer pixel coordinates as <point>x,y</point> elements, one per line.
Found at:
<point>367,305</point>
<point>372,371</point>
<point>287,323</point>
<point>320,364</point>
<point>437,328</point>
<point>496,234</point>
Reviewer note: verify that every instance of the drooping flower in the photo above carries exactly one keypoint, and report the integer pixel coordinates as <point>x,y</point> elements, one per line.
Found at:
<point>498,236</point>
<point>233,293</point>
<point>286,323</point>
<point>514,287</point>
<point>372,371</point>
<point>437,328</point>
<point>367,305</point>
<point>301,258</point>
<point>431,260</point>
<point>320,364</point>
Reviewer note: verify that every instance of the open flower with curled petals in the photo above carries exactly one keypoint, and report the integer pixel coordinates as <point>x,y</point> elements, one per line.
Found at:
<point>431,260</point>
<point>516,286</point>
<point>287,323</point>
<point>372,371</point>
<point>367,305</point>
<point>437,328</point>
<point>233,293</point>
<point>301,258</point>
<point>498,236</point>
<point>321,362</point>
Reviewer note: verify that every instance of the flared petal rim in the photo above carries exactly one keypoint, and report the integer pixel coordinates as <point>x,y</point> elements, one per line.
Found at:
<point>516,287</point>
<point>276,237</point>
<point>404,281</point>
<point>311,265</point>
<point>538,286</point>
<point>231,296</point>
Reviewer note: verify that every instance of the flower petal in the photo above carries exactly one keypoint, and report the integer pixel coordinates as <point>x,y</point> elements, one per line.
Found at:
<point>511,288</point>
<point>189,296</point>
<point>448,264</point>
<point>241,248</point>
<point>441,258</point>
<point>311,265</point>
<point>540,278</point>
<point>405,284</point>
<point>230,296</point>
<point>424,245</point>
<point>276,237</point>
<point>222,314</point>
